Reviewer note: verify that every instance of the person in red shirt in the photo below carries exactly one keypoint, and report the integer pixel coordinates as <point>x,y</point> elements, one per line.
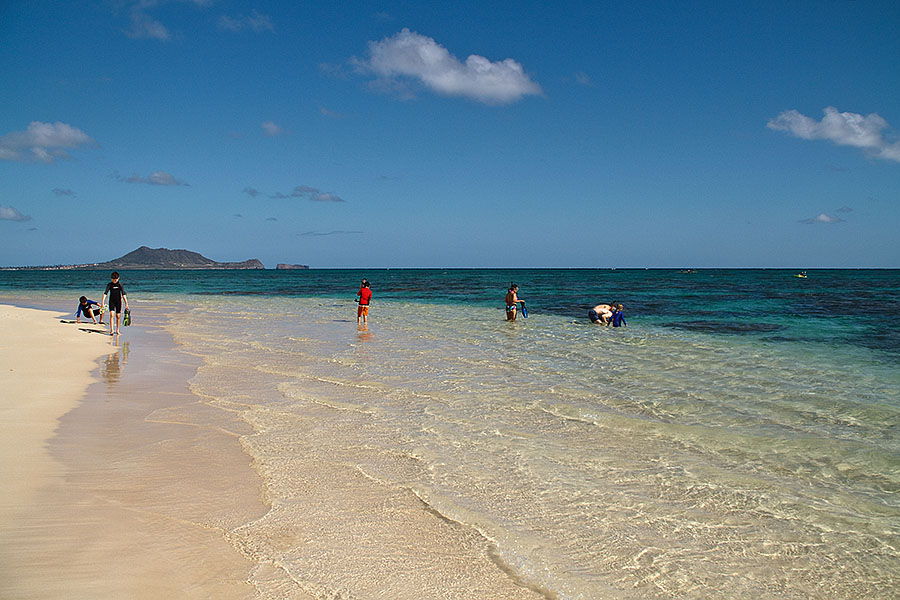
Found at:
<point>364,297</point>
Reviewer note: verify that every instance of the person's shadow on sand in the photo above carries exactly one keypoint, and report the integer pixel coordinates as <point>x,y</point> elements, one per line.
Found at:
<point>103,331</point>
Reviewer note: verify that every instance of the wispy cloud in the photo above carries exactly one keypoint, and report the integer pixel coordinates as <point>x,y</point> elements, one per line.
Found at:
<point>255,22</point>
<point>271,129</point>
<point>330,113</point>
<point>271,219</point>
<point>583,78</point>
<point>155,178</point>
<point>333,232</point>
<point>822,218</point>
<point>333,70</point>
<point>310,193</point>
<point>8,213</point>
<point>845,209</point>
<point>143,25</point>
<point>63,192</point>
<point>42,142</point>
<point>841,128</point>
<point>409,56</point>
<point>252,192</point>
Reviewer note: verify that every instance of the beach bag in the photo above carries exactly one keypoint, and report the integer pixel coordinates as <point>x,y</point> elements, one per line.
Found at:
<point>127,320</point>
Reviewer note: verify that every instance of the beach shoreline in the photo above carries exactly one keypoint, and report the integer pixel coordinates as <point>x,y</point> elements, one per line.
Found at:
<point>155,491</point>
<point>46,368</point>
<point>119,481</point>
<point>245,439</point>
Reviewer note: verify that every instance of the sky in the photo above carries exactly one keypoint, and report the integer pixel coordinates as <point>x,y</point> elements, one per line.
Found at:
<point>461,134</point>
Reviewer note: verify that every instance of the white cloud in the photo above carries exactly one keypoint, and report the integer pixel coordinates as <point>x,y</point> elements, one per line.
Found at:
<point>8,213</point>
<point>143,26</point>
<point>155,178</point>
<point>842,128</point>
<point>822,218</point>
<point>330,113</point>
<point>337,71</point>
<point>417,57</point>
<point>44,142</point>
<point>271,128</point>
<point>583,78</point>
<point>255,22</point>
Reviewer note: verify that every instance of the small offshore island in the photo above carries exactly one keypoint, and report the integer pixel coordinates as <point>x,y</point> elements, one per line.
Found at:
<point>161,258</point>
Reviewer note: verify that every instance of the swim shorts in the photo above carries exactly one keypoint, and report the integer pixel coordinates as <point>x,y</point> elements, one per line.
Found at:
<point>593,316</point>
<point>115,305</point>
<point>363,310</point>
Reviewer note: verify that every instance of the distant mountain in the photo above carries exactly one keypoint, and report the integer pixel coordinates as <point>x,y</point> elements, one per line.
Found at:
<point>163,258</point>
<point>284,266</point>
<point>153,258</point>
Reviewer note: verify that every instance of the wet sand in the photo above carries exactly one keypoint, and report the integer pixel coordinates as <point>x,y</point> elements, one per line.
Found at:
<point>141,489</point>
<point>121,488</point>
<point>45,367</point>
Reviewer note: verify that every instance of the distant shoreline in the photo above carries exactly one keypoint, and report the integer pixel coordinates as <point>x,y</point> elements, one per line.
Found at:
<point>680,271</point>
<point>145,258</point>
<point>103,267</point>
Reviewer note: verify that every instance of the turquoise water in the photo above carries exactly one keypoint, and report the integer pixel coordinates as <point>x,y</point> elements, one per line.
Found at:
<point>838,307</point>
<point>740,438</point>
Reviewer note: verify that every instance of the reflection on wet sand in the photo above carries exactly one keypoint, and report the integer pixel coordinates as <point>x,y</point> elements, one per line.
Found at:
<point>112,366</point>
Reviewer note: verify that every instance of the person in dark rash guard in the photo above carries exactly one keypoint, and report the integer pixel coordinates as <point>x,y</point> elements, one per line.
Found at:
<point>117,297</point>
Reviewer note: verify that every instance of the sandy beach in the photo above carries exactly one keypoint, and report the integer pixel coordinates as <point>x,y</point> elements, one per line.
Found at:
<point>117,482</point>
<point>123,483</point>
<point>262,445</point>
<point>46,368</point>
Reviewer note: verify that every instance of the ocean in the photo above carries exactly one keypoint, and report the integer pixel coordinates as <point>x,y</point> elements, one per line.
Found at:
<point>739,438</point>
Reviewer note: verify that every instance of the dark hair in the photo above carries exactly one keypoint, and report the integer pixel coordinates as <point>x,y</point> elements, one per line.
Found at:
<point>365,283</point>
<point>115,275</point>
<point>83,299</point>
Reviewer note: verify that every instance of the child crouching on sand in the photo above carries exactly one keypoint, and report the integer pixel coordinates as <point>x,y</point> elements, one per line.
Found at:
<point>88,308</point>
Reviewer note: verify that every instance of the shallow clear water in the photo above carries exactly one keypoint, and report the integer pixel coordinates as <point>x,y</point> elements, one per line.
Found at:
<point>737,439</point>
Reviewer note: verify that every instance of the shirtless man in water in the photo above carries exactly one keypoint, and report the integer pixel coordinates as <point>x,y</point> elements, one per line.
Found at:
<point>512,302</point>
<point>601,314</point>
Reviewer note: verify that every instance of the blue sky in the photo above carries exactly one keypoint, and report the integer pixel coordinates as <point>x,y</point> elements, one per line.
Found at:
<point>470,134</point>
